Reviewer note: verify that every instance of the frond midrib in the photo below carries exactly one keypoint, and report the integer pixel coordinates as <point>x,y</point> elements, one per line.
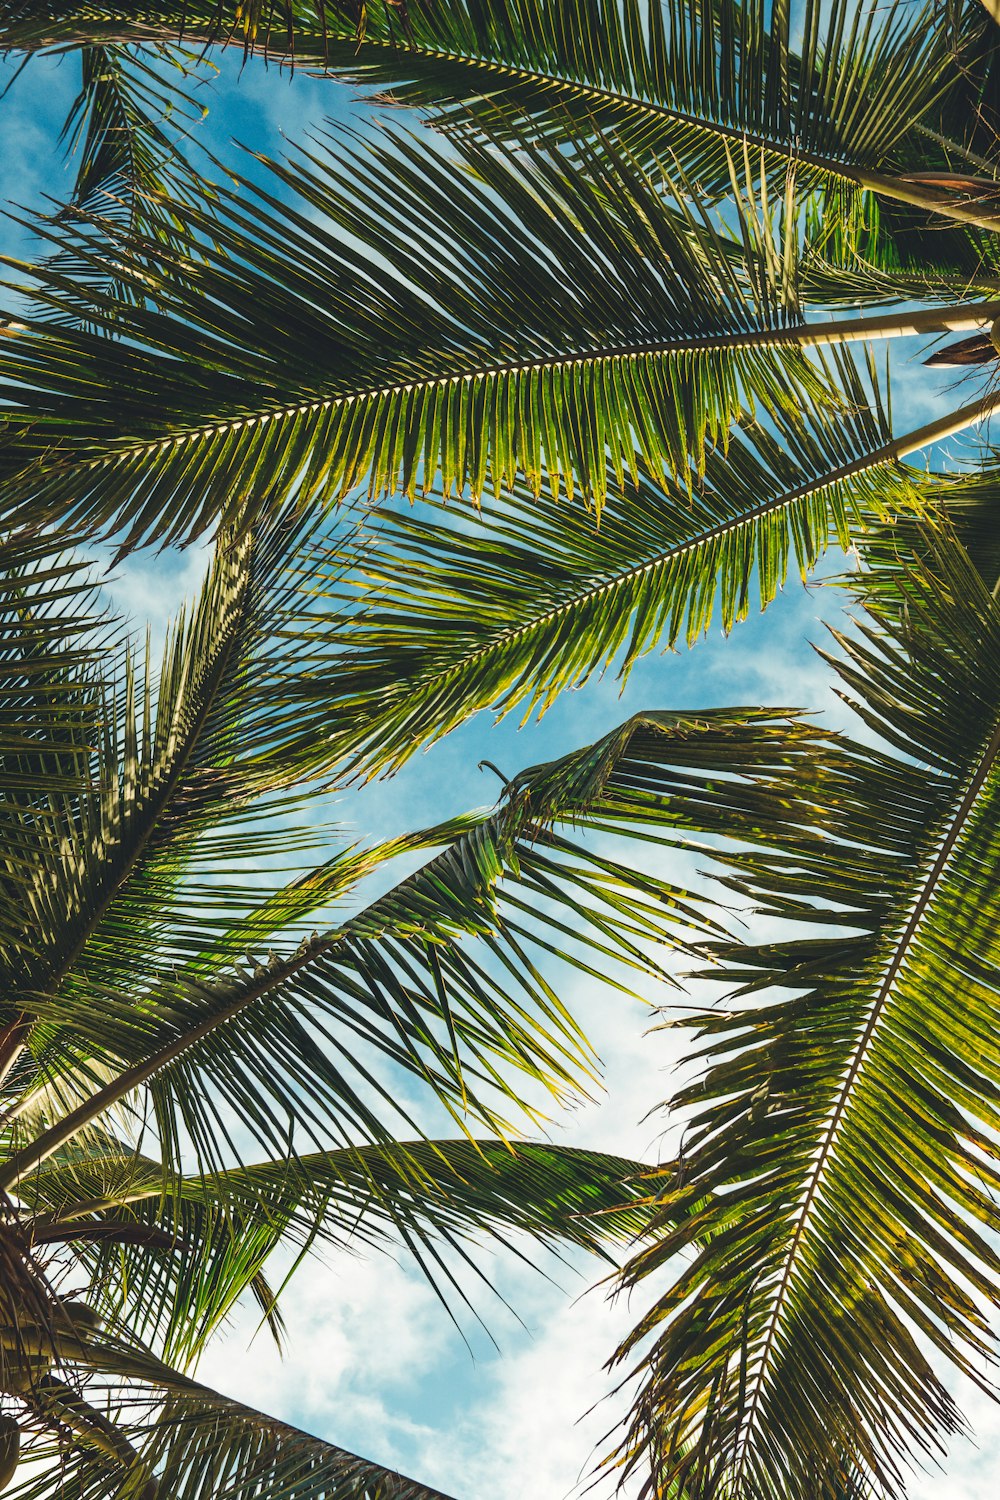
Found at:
<point>606,354</point>
<point>638,102</point>
<point>946,847</point>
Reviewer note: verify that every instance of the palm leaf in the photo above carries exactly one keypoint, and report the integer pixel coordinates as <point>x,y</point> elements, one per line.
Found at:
<point>125,159</point>
<point>131,174</point>
<point>50,634</point>
<point>863,246</point>
<point>436,977</point>
<point>859,251</point>
<point>530,598</point>
<point>838,1184</point>
<point>91,885</point>
<point>52,637</point>
<point>693,79</point>
<point>169,1258</point>
<point>139,1427</point>
<point>541,323</point>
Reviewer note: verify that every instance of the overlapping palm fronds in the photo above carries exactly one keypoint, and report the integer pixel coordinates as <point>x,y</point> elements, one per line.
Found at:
<point>605,279</point>
<point>587,327</point>
<point>578,315</point>
<point>147,1048</point>
<point>184,1441</point>
<point>126,161</point>
<point>835,92</point>
<point>169,1260</point>
<point>101,915</point>
<point>531,598</point>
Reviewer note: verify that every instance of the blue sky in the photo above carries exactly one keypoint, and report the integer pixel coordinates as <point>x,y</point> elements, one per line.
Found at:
<point>373,1363</point>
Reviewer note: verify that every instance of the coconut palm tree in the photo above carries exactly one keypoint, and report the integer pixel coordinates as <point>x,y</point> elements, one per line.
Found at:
<point>614,301</point>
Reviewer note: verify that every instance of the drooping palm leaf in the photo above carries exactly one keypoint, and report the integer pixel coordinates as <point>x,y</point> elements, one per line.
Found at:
<point>90,885</point>
<point>51,638</point>
<point>866,247</point>
<point>858,253</point>
<point>50,633</point>
<point>132,1425</point>
<point>836,1190</point>
<point>131,175</point>
<point>126,160</point>
<point>172,1257</point>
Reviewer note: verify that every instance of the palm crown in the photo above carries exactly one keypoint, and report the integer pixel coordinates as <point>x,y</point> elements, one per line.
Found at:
<point>615,299</point>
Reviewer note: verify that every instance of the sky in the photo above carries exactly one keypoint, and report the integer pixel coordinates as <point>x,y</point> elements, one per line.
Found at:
<point>373,1363</point>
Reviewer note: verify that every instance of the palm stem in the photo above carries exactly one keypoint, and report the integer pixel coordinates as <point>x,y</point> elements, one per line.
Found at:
<point>929,202</point>
<point>11,1044</point>
<point>965,317</point>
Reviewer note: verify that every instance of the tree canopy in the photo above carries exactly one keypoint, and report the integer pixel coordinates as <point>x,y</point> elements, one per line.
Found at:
<point>567,353</point>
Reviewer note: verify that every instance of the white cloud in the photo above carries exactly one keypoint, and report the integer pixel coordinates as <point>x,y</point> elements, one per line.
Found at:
<point>546,1422</point>
<point>377,1369</point>
<point>149,589</point>
<point>376,1366</point>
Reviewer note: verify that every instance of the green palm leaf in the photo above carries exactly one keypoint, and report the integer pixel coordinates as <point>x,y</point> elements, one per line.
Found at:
<point>531,598</point>
<point>91,886</point>
<point>171,1257</point>
<point>125,157</point>
<point>858,251</point>
<point>393,981</point>
<point>50,634</point>
<point>694,79</point>
<point>139,1427</point>
<point>537,323</point>
<point>52,638</point>
<point>836,1189</point>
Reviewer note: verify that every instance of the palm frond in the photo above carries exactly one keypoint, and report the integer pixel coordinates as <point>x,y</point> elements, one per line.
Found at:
<point>126,160</point>
<point>125,130</point>
<point>838,1187</point>
<point>438,977</point>
<point>128,1424</point>
<point>402,317</point>
<point>169,1258</point>
<point>52,637</point>
<point>834,89</point>
<point>970,498</point>
<point>449,615</point>
<point>281,29</point>
<point>91,885</point>
<point>50,634</point>
<point>860,251</point>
